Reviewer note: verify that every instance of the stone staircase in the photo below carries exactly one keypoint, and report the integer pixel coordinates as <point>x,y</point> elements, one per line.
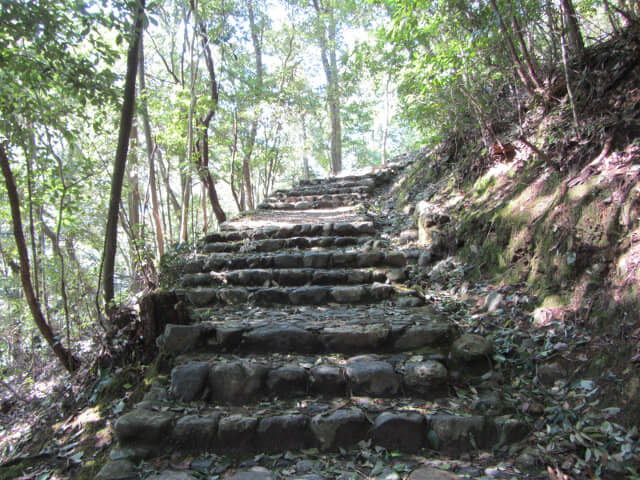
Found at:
<point>292,329</point>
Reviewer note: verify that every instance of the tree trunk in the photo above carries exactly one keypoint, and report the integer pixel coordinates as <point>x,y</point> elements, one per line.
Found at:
<point>327,41</point>
<point>573,28</point>
<point>126,119</point>
<point>65,356</point>
<point>151,150</point>
<point>515,58</point>
<point>202,155</point>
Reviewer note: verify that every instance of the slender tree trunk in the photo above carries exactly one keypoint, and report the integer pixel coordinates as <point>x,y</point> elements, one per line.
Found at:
<point>151,150</point>
<point>126,119</point>
<point>256,40</point>
<point>515,58</point>
<point>327,41</point>
<point>30,156</point>
<point>184,211</point>
<point>65,356</point>
<point>387,113</point>
<point>202,155</point>
<point>246,164</point>
<point>573,28</point>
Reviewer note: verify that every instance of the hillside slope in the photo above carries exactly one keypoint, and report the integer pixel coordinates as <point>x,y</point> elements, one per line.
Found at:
<point>548,220</point>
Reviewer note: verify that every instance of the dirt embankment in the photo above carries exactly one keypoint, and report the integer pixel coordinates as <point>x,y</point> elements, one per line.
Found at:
<point>558,215</point>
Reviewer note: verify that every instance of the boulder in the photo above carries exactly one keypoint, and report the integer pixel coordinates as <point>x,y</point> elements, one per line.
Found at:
<point>313,295</point>
<point>144,426</point>
<point>195,432</point>
<point>117,470</point>
<point>289,380</point>
<point>284,432</point>
<point>281,338</point>
<point>349,294</point>
<point>180,338</point>
<point>374,378</point>
<point>328,380</point>
<point>236,382</point>
<point>188,380</point>
<point>355,338</point>
<point>427,378</point>
<point>472,353</point>
<point>424,335</point>
<point>236,432</point>
<point>456,435</point>
<point>254,473</point>
<point>341,428</point>
<point>403,431</point>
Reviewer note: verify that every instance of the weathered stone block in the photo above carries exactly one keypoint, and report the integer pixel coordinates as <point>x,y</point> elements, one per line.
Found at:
<point>237,432</point>
<point>403,431</point>
<point>349,294</point>
<point>284,432</point>
<point>313,295</point>
<point>195,432</point>
<point>354,338</point>
<point>328,380</point>
<point>342,428</point>
<point>236,382</point>
<point>281,338</point>
<point>427,378</point>
<point>188,380</point>
<point>288,380</point>
<point>144,426</point>
<point>374,378</point>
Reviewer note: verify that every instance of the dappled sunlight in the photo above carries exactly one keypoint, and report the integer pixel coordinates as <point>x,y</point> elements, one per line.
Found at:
<point>271,218</point>
<point>532,203</point>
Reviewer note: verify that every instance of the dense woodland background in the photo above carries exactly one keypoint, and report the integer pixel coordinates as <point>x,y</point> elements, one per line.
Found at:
<point>233,99</point>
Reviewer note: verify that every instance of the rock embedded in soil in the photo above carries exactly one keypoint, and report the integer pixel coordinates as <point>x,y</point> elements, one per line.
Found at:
<point>169,475</point>
<point>354,338</point>
<point>281,338</point>
<point>419,336</point>
<point>342,428</point>
<point>144,426</point>
<point>188,380</point>
<point>180,338</point>
<point>284,432</point>
<point>472,352</point>
<point>457,435</point>
<point>400,431</point>
<point>117,470</point>
<point>432,473</point>
<point>195,432</point>
<point>328,380</point>
<point>236,432</point>
<point>375,378</point>
<point>288,380</point>
<point>236,382</point>
<point>427,378</point>
<point>255,473</point>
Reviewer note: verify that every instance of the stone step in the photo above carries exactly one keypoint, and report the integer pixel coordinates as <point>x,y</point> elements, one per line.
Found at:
<point>306,333</point>
<point>275,244</point>
<point>261,219</point>
<point>346,188</point>
<point>279,427</point>
<point>287,277</point>
<point>349,179</point>
<point>305,204</point>
<point>320,259</point>
<point>337,229</point>
<point>341,197</point>
<point>229,380</point>
<point>346,182</point>
<point>303,295</point>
